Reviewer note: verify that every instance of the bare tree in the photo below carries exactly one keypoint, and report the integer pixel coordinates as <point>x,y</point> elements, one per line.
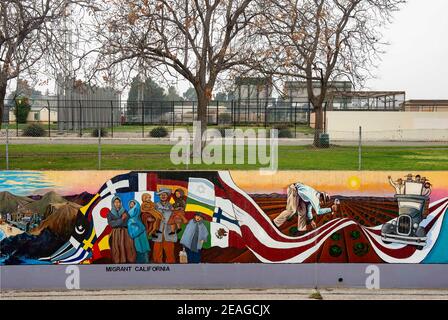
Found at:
<point>28,32</point>
<point>200,41</point>
<point>320,41</point>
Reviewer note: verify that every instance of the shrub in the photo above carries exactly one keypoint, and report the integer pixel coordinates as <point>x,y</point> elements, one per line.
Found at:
<point>21,109</point>
<point>34,130</point>
<point>159,132</point>
<point>280,126</point>
<point>96,132</point>
<point>225,118</point>
<point>283,131</point>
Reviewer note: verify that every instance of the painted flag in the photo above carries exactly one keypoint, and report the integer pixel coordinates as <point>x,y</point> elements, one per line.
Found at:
<point>225,215</point>
<point>201,196</point>
<point>219,235</point>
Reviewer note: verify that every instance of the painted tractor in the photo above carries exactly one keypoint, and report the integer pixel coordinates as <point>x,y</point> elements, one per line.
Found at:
<point>406,228</point>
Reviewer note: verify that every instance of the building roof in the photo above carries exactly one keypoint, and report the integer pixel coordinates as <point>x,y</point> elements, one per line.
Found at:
<point>253,81</point>
<point>423,102</point>
<point>368,94</point>
<point>317,84</point>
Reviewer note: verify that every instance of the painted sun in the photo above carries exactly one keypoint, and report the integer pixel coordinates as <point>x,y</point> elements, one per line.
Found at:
<point>354,183</point>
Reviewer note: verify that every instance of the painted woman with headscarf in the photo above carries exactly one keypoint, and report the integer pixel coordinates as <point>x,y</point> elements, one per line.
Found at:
<point>121,244</point>
<point>137,232</point>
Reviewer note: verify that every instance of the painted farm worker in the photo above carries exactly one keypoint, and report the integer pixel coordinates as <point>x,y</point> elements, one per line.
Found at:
<point>194,236</point>
<point>137,232</point>
<point>121,244</point>
<point>409,177</point>
<point>302,199</point>
<point>151,218</point>
<point>398,185</point>
<point>164,241</point>
<point>418,178</point>
<point>178,216</point>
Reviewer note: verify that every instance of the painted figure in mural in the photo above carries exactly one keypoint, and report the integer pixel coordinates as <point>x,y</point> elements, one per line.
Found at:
<point>151,218</point>
<point>302,199</point>
<point>137,232</point>
<point>178,216</point>
<point>121,244</point>
<point>398,185</point>
<point>427,188</point>
<point>164,241</point>
<point>194,236</point>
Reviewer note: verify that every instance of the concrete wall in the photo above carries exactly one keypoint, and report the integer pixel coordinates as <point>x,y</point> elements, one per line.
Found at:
<point>388,126</point>
<point>346,250</point>
<point>42,116</point>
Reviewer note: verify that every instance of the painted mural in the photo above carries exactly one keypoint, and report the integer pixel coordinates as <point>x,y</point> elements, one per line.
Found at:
<point>110,217</point>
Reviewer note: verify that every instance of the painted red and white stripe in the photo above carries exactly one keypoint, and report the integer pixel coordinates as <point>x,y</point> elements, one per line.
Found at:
<point>269,245</point>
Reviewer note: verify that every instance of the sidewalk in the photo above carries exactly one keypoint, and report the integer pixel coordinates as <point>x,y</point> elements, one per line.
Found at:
<point>229,294</point>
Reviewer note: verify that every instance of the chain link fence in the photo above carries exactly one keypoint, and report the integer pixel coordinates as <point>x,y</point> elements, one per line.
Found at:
<point>86,118</point>
<point>108,134</point>
<point>360,151</point>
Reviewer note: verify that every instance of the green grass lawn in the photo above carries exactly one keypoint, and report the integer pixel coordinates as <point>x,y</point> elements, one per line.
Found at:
<point>157,157</point>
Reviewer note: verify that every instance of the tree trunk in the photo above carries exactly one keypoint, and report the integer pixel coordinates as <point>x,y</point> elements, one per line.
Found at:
<point>3,86</point>
<point>199,144</point>
<point>202,112</point>
<point>319,124</point>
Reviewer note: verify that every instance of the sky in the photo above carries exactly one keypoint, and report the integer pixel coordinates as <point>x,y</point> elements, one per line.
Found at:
<point>348,183</point>
<point>416,60</point>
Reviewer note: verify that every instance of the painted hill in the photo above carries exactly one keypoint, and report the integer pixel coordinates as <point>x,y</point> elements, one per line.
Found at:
<point>40,206</point>
<point>60,221</point>
<point>10,202</point>
<point>268,195</point>
<point>81,199</point>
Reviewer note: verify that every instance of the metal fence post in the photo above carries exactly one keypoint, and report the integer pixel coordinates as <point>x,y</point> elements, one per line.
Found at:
<point>295,119</point>
<point>49,121</point>
<point>143,119</point>
<point>7,146</point>
<point>100,131</point>
<point>359,148</point>
<point>173,119</point>
<point>265,115</point>
<point>217,112</point>
<point>17,117</point>
<point>182,113</point>
<point>112,117</point>
<point>80,118</point>
<point>233,114</point>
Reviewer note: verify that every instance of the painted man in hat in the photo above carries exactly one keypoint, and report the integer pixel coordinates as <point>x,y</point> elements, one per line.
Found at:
<point>194,236</point>
<point>164,240</point>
